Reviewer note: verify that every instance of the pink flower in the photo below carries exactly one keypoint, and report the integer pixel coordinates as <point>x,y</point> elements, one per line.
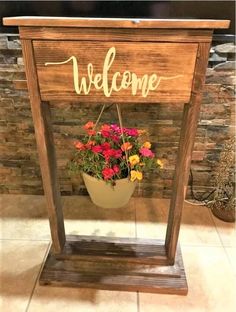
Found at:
<point>116,129</point>
<point>146,152</point>
<point>97,149</point>
<point>107,173</point>
<point>131,132</point>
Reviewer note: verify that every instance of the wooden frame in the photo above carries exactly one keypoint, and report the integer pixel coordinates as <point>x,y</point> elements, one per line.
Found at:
<point>100,262</point>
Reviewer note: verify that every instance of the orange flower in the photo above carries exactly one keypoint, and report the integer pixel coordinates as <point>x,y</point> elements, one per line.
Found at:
<point>91,143</point>
<point>89,125</point>
<point>141,132</point>
<point>126,146</point>
<point>105,127</point>
<point>79,145</point>
<point>91,132</point>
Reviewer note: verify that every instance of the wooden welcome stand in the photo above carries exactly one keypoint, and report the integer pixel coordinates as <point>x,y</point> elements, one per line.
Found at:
<point>176,51</point>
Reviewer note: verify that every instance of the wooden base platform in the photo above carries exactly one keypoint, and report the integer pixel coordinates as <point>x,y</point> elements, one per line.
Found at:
<point>115,264</point>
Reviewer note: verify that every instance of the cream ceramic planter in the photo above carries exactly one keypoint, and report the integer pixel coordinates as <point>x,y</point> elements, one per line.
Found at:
<point>105,195</point>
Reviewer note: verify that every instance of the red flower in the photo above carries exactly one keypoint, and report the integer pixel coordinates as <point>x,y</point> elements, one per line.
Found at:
<point>107,173</point>
<point>105,146</point>
<point>97,149</point>
<point>115,138</point>
<point>108,153</point>
<point>117,153</point>
<point>105,134</point>
<point>116,169</point>
<point>89,125</point>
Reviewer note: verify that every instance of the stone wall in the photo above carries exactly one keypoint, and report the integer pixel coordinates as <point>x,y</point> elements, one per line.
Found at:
<point>19,168</point>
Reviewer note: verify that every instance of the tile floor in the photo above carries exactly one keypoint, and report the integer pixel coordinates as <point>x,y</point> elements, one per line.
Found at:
<point>208,247</point>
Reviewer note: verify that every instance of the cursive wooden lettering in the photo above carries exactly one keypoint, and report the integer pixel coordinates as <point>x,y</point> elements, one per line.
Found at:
<point>83,84</point>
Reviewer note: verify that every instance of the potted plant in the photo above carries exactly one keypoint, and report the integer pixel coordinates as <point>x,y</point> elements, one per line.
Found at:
<point>223,203</point>
<point>112,160</point>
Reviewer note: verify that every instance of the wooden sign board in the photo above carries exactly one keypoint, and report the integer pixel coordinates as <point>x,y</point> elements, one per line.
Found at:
<point>114,71</point>
<point>121,61</point>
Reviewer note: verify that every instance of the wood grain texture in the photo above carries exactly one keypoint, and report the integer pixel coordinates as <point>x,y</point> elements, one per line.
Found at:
<point>179,48</point>
<point>187,135</point>
<point>122,249</point>
<point>114,22</point>
<point>44,137</point>
<point>20,84</point>
<point>116,34</point>
<point>163,59</point>
<point>111,274</point>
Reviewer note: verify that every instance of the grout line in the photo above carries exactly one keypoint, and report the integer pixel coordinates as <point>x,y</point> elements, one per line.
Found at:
<point>199,245</point>
<point>222,243</point>
<point>135,214</point>
<point>218,233</point>
<point>25,239</point>
<point>138,302</point>
<point>37,277</point>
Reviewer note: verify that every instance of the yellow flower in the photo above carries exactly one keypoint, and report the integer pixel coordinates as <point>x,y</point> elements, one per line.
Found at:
<point>139,175</point>
<point>160,163</point>
<point>135,175</point>
<point>147,145</point>
<point>134,159</point>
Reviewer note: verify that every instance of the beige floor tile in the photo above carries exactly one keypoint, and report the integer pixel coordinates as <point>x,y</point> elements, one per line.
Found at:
<point>197,227</point>
<point>151,217</point>
<point>84,218</point>
<point>20,263</point>
<point>51,299</point>
<point>231,252</point>
<point>210,280</point>
<point>24,217</point>
<point>227,232</point>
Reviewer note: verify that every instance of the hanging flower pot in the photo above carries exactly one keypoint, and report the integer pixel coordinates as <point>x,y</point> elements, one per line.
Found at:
<point>106,195</point>
<point>112,160</point>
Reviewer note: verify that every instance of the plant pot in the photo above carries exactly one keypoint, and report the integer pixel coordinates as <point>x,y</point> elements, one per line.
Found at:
<point>105,195</point>
<point>227,215</point>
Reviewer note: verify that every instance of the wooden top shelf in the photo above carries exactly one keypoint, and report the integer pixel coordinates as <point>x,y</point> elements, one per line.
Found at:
<point>36,21</point>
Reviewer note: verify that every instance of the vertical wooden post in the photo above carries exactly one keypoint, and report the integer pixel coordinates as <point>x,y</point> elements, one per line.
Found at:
<point>187,135</point>
<point>47,158</point>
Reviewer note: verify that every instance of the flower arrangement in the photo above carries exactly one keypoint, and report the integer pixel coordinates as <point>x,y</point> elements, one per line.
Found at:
<point>113,153</point>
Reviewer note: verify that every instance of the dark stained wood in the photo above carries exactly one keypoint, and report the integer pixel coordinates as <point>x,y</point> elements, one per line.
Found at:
<point>115,275</point>
<point>117,249</point>
<point>114,22</point>
<point>43,133</point>
<point>163,59</point>
<point>116,34</point>
<point>188,131</point>
<point>164,47</point>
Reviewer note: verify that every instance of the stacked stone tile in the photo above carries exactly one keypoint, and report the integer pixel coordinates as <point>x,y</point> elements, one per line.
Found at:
<point>19,167</point>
